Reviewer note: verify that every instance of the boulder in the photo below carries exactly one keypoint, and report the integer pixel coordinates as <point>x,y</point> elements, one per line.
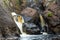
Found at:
<point>54,19</point>
<point>8,27</point>
<point>30,12</point>
<point>31,15</point>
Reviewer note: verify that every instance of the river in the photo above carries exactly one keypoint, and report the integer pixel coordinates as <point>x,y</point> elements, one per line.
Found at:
<point>36,37</point>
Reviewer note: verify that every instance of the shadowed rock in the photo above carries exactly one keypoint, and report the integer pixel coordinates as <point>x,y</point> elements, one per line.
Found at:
<point>7,26</point>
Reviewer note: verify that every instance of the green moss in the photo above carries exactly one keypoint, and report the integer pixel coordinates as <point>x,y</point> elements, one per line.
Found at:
<point>50,14</point>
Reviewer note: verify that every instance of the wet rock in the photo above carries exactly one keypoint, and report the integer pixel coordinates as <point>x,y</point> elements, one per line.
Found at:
<point>31,28</point>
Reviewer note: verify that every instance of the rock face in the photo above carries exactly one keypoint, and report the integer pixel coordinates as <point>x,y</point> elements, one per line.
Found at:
<point>32,15</point>
<point>54,20</point>
<point>7,26</point>
<point>30,12</point>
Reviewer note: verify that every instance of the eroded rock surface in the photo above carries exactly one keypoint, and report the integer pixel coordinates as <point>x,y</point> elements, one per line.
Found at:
<point>7,26</point>
<point>54,20</point>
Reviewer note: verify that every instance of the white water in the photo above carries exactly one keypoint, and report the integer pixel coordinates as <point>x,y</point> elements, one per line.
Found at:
<point>19,24</point>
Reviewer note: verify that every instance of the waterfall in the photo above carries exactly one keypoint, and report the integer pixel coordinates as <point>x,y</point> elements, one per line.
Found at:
<point>42,24</point>
<point>19,22</point>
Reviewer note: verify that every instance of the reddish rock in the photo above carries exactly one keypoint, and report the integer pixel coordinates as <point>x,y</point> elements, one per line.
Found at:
<point>30,12</point>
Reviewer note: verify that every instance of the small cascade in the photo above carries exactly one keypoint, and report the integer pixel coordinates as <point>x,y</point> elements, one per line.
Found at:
<point>19,21</point>
<point>43,25</point>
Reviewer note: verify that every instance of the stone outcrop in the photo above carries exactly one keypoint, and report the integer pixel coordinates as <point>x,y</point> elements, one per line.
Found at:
<point>8,27</point>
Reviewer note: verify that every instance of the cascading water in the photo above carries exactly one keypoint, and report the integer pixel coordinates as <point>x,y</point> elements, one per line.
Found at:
<point>19,21</point>
<point>43,25</point>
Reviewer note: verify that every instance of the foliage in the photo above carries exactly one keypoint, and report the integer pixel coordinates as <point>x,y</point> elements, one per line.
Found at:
<point>50,14</point>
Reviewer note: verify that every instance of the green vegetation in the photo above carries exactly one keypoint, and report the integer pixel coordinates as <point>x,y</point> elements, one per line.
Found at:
<point>50,14</point>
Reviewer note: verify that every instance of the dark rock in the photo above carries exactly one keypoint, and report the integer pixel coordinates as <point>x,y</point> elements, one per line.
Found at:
<point>31,28</point>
